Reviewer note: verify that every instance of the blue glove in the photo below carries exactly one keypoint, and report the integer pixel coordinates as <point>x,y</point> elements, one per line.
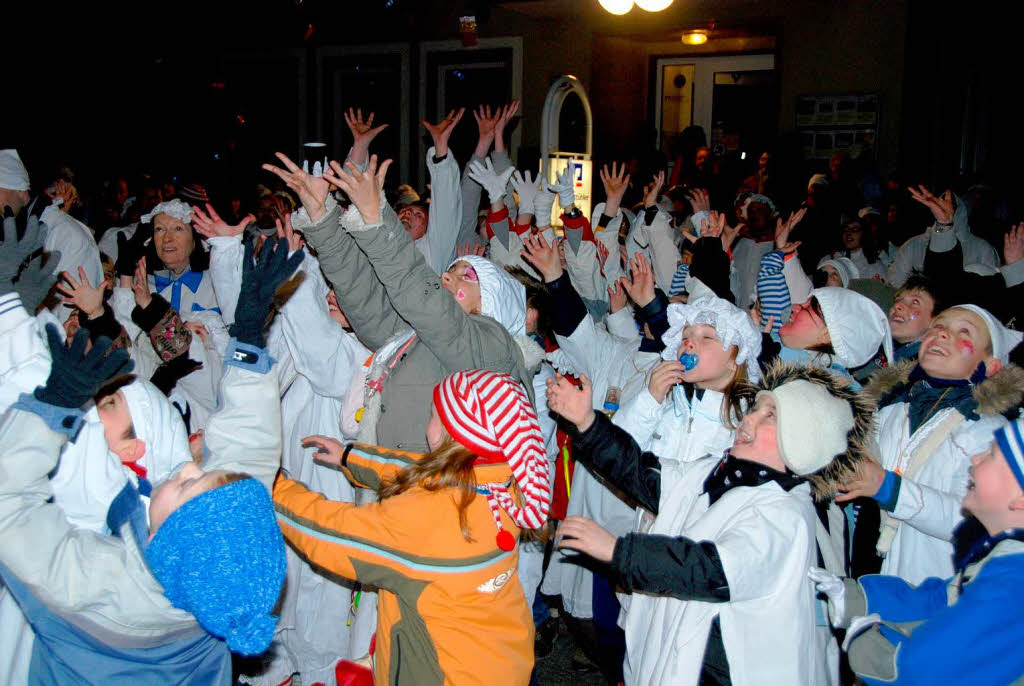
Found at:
<point>260,280</point>
<point>76,375</point>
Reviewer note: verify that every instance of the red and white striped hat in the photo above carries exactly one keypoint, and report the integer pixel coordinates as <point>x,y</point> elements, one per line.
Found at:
<point>490,414</point>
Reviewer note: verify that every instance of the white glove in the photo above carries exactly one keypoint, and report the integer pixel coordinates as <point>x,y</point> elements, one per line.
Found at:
<point>543,202</point>
<point>833,587</point>
<point>564,185</point>
<point>493,182</point>
<point>526,188</point>
<point>859,626</point>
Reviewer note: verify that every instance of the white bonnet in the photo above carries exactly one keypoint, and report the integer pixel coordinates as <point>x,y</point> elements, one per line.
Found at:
<point>856,326</point>
<point>732,325</point>
<point>178,209</point>
<point>501,297</point>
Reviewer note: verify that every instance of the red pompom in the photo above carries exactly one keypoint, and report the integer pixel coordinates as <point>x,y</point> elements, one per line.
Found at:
<point>505,540</point>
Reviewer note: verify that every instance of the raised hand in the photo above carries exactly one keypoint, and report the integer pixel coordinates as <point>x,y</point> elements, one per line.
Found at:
<point>542,256</point>
<point>564,186</point>
<point>586,536</point>
<point>573,403</point>
<point>16,248</point>
<point>526,189</point>
<point>700,200</point>
<point>210,224</point>
<point>493,182</point>
<point>720,227</point>
<point>641,287</point>
<point>866,481</point>
<point>942,207</point>
<point>507,112</point>
<point>131,250</point>
<point>260,280</point>
<point>328,451</point>
<point>285,231</point>
<point>81,294</point>
<point>783,229</point>
<point>616,297</point>
<point>362,187</point>
<point>140,285</point>
<point>477,249</point>
<point>442,130</point>
<point>363,133</point>
<point>653,189</point>
<point>485,124</point>
<point>76,375</point>
<point>615,184</point>
<point>312,190</point>
<point>1013,244</point>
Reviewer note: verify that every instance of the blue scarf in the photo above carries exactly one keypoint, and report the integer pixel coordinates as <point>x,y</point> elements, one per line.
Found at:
<point>188,278</point>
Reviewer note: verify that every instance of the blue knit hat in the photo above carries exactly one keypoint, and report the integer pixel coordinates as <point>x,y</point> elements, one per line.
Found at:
<point>1010,439</point>
<point>220,556</point>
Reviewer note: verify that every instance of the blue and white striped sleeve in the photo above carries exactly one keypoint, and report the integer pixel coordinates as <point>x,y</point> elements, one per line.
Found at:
<point>772,292</point>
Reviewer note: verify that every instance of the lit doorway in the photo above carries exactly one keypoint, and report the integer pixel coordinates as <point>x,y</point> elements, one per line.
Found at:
<point>732,98</point>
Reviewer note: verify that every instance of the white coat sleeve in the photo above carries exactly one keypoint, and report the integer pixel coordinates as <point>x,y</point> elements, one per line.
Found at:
<point>797,282</point>
<point>244,434</point>
<point>445,216</point>
<point>321,350</point>
<point>909,258</point>
<point>226,254</point>
<point>664,255</point>
<point>24,355</point>
<point>609,238</point>
<point>585,271</point>
<point>639,417</point>
<point>622,325</point>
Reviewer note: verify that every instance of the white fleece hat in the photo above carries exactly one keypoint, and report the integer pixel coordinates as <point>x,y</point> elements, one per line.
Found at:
<point>159,425</point>
<point>176,208</point>
<point>844,265</point>
<point>811,425</point>
<point>1003,339</point>
<point>856,325</point>
<point>817,180</point>
<point>502,298</point>
<point>732,325</point>
<point>13,175</point>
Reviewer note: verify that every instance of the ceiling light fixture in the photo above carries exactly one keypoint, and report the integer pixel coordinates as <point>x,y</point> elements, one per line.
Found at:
<point>653,5</point>
<point>617,6</point>
<point>695,37</point>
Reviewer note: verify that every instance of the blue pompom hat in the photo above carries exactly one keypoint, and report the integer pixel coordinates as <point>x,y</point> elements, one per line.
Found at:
<point>220,557</point>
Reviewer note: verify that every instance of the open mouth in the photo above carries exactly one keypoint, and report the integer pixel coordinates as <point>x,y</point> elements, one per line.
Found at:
<point>937,351</point>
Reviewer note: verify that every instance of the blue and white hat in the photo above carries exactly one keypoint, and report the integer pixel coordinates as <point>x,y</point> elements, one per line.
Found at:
<point>1010,439</point>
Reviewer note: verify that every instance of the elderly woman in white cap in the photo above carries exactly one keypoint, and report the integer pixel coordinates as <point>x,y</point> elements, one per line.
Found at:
<point>718,592</point>
<point>168,306</point>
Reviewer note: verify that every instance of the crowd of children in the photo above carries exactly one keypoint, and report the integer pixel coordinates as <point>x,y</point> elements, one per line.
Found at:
<point>380,438</point>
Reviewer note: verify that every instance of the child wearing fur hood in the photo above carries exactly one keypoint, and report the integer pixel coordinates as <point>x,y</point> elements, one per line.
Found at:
<point>720,593</point>
<point>933,415</point>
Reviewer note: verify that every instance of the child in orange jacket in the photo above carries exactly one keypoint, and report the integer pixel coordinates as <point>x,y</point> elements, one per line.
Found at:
<point>450,609</point>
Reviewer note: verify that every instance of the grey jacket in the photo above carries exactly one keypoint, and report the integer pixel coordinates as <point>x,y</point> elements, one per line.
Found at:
<point>384,287</point>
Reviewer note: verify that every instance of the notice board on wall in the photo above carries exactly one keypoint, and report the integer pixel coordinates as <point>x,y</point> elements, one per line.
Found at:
<point>828,124</point>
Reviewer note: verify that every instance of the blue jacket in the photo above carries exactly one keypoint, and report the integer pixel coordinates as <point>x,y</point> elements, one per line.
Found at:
<point>964,630</point>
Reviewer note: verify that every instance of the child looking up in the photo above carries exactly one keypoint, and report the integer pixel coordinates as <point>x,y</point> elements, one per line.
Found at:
<point>449,609</point>
<point>933,415</point>
<point>718,593</point>
<point>955,630</point>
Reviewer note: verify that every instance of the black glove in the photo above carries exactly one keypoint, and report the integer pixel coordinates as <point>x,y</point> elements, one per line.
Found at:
<point>168,374</point>
<point>131,250</point>
<point>260,280</point>
<point>75,375</point>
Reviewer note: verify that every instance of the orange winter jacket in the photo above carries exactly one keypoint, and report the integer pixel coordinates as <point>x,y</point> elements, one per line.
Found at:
<point>449,611</point>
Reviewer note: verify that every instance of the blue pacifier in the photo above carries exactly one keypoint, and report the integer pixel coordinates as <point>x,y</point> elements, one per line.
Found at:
<point>689,361</point>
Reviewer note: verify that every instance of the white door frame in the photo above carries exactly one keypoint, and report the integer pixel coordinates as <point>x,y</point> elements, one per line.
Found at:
<point>401,49</point>
<point>427,47</point>
<point>704,82</point>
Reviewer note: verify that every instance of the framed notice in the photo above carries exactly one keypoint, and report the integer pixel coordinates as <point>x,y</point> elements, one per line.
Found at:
<point>828,124</point>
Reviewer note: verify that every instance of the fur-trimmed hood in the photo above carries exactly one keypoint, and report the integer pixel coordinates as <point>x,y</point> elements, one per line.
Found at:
<point>825,481</point>
<point>1000,393</point>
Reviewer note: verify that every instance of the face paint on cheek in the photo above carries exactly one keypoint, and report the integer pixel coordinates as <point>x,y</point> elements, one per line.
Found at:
<point>966,348</point>
<point>460,294</point>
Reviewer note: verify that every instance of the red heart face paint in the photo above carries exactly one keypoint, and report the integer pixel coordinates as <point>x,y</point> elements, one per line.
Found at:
<point>460,294</point>
<point>966,348</point>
